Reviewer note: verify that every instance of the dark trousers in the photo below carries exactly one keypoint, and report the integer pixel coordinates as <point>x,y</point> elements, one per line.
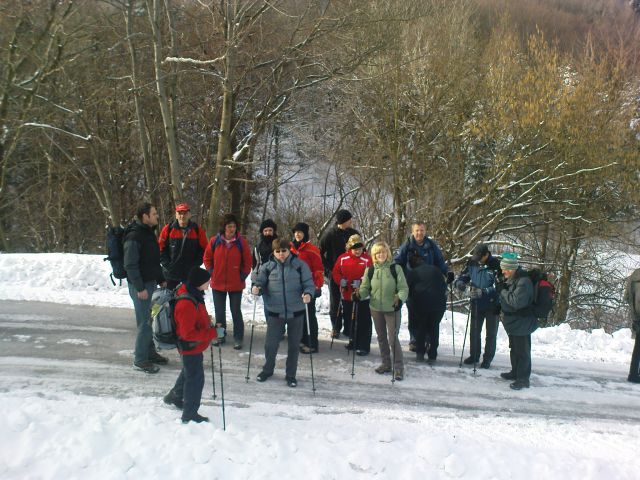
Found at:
<point>220,309</point>
<point>475,340</point>
<point>362,325</point>
<point>634,368</point>
<point>335,311</point>
<point>427,330</point>
<point>190,383</point>
<point>411,323</point>
<point>311,340</point>
<point>520,355</point>
<point>275,331</point>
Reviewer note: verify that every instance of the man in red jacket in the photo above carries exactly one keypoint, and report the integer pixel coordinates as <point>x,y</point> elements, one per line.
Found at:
<point>228,259</point>
<point>195,332</point>
<point>182,243</point>
<point>309,254</point>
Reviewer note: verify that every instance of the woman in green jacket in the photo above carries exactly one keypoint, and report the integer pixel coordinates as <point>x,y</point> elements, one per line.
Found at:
<point>387,288</point>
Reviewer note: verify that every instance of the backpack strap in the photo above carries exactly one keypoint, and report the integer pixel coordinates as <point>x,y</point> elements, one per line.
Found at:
<point>186,296</point>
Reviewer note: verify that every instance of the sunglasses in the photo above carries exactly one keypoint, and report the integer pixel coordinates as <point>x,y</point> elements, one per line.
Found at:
<point>282,250</point>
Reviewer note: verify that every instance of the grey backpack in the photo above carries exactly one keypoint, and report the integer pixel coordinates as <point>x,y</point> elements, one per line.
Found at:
<point>163,325</point>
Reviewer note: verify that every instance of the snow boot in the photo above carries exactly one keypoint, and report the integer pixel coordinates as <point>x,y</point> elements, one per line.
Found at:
<point>172,399</point>
<point>197,418</point>
<point>508,375</point>
<point>146,367</point>
<point>383,369</point>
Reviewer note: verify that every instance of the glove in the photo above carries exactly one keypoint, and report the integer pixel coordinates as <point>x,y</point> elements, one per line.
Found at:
<point>356,283</point>
<point>356,294</point>
<point>460,285</point>
<point>475,293</point>
<point>343,283</point>
<point>220,332</point>
<point>317,293</point>
<point>255,290</point>
<point>501,286</point>
<point>450,277</point>
<point>396,301</point>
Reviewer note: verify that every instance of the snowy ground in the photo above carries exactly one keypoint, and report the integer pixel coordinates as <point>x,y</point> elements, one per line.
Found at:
<point>74,408</point>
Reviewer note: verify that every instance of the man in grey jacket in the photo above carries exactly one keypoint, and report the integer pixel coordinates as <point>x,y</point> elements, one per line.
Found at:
<point>632,295</point>
<point>287,285</point>
<point>516,297</point>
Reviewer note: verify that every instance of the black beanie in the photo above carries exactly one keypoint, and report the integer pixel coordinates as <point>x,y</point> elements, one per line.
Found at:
<point>343,216</point>
<point>301,227</point>
<point>268,223</point>
<point>198,276</point>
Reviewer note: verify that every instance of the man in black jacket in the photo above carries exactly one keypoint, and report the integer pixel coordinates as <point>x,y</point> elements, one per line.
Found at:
<point>263,250</point>
<point>332,245</point>
<point>142,263</point>
<point>632,295</point>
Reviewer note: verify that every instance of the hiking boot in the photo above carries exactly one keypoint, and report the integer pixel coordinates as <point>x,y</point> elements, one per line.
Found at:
<point>291,382</point>
<point>172,399</point>
<point>383,369</point>
<point>633,378</point>
<point>399,375</point>
<point>237,346</point>
<point>508,375</point>
<point>158,359</point>
<point>420,357</point>
<point>146,367</point>
<point>362,353</point>
<point>469,361</point>
<point>219,341</point>
<point>431,361</point>
<point>485,364</point>
<point>335,334</point>
<point>195,418</point>
<point>519,385</point>
<point>262,376</point>
<point>412,346</point>
<point>307,350</point>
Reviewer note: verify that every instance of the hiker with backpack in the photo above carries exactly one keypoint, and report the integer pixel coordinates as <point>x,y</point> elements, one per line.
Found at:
<point>228,259</point>
<point>386,288</point>
<point>286,284</point>
<point>142,265</point>
<point>516,295</point>
<point>182,244</point>
<point>347,273</point>
<point>309,254</point>
<point>195,332</point>
<point>419,244</point>
<point>481,273</point>
<point>632,296</point>
<point>332,245</point>
<point>428,302</point>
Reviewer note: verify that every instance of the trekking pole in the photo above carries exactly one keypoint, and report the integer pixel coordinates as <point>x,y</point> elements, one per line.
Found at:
<point>464,340</point>
<point>475,327</point>
<point>213,376</point>
<point>453,330</point>
<point>354,329</point>
<point>393,353</point>
<point>333,323</point>
<point>313,382</point>
<point>224,420</point>
<point>253,321</point>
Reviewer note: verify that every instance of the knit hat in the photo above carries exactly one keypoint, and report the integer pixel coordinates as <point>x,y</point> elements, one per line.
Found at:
<point>509,261</point>
<point>302,227</point>
<point>479,251</point>
<point>268,223</point>
<point>355,241</point>
<point>182,207</point>
<point>198,276</point>
<point>343,216</point>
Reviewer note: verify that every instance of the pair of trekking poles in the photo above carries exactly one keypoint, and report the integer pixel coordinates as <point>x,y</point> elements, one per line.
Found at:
<point>213,382</point>
<point>354,331</point>
<point>253,324</point>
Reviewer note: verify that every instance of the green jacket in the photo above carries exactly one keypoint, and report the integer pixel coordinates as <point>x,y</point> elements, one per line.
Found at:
<point>383,288</point>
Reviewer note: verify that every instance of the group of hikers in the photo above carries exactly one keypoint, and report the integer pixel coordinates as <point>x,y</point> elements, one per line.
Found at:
<point>366,288</point>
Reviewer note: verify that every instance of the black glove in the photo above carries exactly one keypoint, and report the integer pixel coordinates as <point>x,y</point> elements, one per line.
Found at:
<point>318,293</point>
<point>356,295</point>
<point>450,277</point>
<point>501,286</point>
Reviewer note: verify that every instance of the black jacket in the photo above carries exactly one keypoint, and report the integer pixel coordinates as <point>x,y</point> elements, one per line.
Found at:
<point>181,249</point>
<point>141,255</point>
<point>516,298</point>
<point>427,288</point>
<point>332,245</point>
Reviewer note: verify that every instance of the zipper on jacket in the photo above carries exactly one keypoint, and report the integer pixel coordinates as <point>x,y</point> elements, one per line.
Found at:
<point>284,290</point>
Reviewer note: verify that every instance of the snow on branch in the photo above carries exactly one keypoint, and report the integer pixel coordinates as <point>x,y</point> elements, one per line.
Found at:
<point>51,127</point>
<point>192,61</point>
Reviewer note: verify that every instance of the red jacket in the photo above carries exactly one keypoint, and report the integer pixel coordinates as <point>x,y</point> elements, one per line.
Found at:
<point>177,254</point>
<point>193,324</point>
<point>310,254</point>
<point>350,268</point>
<point>228,262</point>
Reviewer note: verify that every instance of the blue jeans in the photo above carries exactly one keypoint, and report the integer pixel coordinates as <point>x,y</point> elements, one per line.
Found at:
<point>190,383</point>
<point>144,338</point>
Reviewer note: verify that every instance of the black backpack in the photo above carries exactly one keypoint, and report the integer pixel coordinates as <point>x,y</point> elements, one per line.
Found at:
<point>544,293</point>
<point>115,253</point>
<point>394,274</point>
